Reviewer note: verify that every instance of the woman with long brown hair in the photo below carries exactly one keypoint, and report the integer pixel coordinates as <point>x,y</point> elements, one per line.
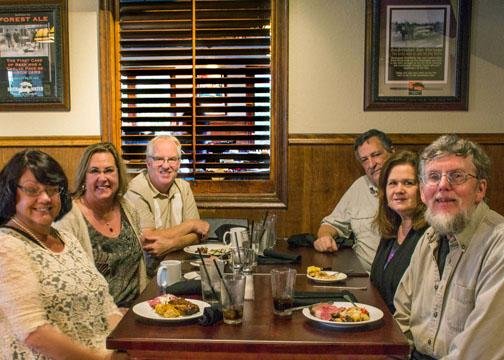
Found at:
<point>400,221</point>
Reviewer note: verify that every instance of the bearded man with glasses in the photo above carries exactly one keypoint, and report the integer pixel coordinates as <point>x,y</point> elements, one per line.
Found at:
<point>449,302</point>
<point>168,214</point>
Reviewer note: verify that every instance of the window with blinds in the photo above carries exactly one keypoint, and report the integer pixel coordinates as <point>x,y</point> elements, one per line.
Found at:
<point>201,71</point>
<point>214,74</point>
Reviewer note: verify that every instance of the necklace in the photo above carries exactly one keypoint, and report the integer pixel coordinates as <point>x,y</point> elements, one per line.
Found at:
<point>20,225</point>
<point>92,217</point>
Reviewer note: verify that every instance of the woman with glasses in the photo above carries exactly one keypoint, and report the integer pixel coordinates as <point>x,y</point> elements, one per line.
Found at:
<point>400,221</point>
<point>106,223</point>
<point>53,302</point>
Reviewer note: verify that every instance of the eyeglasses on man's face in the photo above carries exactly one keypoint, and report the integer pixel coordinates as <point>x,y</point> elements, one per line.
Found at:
<point>454,177</point>
<point>35,191</point>
<point>160,160</point>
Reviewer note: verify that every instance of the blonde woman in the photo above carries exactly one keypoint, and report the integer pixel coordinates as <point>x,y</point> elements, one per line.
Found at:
<point>106,223</point>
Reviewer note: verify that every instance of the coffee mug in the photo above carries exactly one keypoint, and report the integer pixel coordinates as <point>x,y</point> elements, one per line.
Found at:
<point>168,273</point>
<point>236,235</point>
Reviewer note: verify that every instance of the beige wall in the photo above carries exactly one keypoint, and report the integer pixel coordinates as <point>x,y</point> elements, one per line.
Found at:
<point>84,115</point>
<point>326,73</point>
<point>325,76</point>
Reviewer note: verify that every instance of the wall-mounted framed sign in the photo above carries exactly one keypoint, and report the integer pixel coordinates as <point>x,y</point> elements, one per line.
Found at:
<point>417,54</point>
<point>34,67</point>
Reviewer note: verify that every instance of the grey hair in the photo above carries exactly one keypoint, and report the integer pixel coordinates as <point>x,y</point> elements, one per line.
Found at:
<point>150,146</point>
<point>453,145</point>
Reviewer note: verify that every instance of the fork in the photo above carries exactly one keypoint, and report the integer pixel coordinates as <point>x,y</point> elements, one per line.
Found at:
<point>349,299</point>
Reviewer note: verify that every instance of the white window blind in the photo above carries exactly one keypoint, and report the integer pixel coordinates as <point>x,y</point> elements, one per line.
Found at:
<point>199,70</point>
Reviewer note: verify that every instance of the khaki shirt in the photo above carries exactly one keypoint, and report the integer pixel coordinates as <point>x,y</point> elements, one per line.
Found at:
<point>355,213</point>
<point>461,315</point>
<point>158,210</point>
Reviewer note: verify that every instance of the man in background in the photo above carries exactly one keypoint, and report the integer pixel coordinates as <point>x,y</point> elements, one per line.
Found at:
<point>355,212</point>
<point>166,206</point>
<point>449,302</point>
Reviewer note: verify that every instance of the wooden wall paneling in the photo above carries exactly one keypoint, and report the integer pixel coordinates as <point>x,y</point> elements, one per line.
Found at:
<point>329,164</point>
<point>320,169</point>
<point>66,150</point>
<point>322,166</point>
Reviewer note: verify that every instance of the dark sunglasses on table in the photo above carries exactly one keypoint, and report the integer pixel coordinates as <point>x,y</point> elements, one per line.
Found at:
<point>34,191</point>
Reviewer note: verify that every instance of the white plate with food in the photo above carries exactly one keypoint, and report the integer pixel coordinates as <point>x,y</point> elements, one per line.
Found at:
<point>192,275</point>
<point>186,309</point>
<point>218,249</point>
<point>324,276</point>
<point>343,314</point>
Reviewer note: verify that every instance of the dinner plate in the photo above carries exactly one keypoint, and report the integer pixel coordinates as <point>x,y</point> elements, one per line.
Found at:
<point>193,275</point>
<point>213,249</point>
<point>339,277</point>
<point>145,311</point>
<point>375,315</point>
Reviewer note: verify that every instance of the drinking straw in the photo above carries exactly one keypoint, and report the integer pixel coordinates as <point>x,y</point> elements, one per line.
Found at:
<point>222,278</point>
<point>265,217</point>
<point>238,250</point>
<point>207,274</point>
<point>264,225</point>
<point>251,233</point>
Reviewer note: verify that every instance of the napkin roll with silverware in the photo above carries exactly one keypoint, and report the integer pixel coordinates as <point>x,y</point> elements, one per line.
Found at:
<point>302,298</point>
<point>185,287</point>
<point>276,257</point>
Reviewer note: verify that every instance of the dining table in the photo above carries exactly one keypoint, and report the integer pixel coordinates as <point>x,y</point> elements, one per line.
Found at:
<point>263,334</point>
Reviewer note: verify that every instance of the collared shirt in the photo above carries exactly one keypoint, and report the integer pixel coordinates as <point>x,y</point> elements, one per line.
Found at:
<point>161,211</point>
<point>158,210</point>
<point>459,315</point>
<point>355,213</point>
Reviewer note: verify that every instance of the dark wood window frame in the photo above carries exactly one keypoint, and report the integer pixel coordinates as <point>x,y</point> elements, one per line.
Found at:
<point>271,193</point>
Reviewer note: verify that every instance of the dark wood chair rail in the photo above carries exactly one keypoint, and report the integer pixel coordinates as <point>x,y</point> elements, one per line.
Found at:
<point>262,335</point>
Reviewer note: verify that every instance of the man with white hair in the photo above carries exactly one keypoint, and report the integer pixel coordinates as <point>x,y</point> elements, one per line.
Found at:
<point>169,217</point>
<point>450,301</point>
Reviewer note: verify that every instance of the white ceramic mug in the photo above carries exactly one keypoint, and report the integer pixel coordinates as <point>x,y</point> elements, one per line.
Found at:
<point>168,273</point>
<point>235,235</point>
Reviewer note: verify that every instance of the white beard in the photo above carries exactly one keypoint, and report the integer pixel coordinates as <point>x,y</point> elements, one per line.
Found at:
<point>446,224</point>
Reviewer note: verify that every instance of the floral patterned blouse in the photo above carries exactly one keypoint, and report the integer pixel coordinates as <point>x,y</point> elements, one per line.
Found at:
<point>40,287</point>
<point>117,260</point>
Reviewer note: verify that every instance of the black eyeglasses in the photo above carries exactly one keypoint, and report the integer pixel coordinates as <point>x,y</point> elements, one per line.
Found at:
<point>34,191</point>
<point>455,177</point>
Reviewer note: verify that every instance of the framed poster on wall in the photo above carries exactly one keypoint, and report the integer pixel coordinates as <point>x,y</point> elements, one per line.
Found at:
<point>34,55</point>
<point>417,55</point>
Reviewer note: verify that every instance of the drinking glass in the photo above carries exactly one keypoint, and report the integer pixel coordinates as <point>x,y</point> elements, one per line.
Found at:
<point>242,259</point>
<point>232,298</point>
<point>210,283</point>
<point>282,290</point>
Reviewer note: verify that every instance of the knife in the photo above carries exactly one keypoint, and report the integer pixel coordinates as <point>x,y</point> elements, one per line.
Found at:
<point>341,287</point>
<point>300,307</point>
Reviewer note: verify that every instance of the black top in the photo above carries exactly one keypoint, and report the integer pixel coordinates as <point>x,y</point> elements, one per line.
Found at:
<point>443,250</point>
<point>387,278</point>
